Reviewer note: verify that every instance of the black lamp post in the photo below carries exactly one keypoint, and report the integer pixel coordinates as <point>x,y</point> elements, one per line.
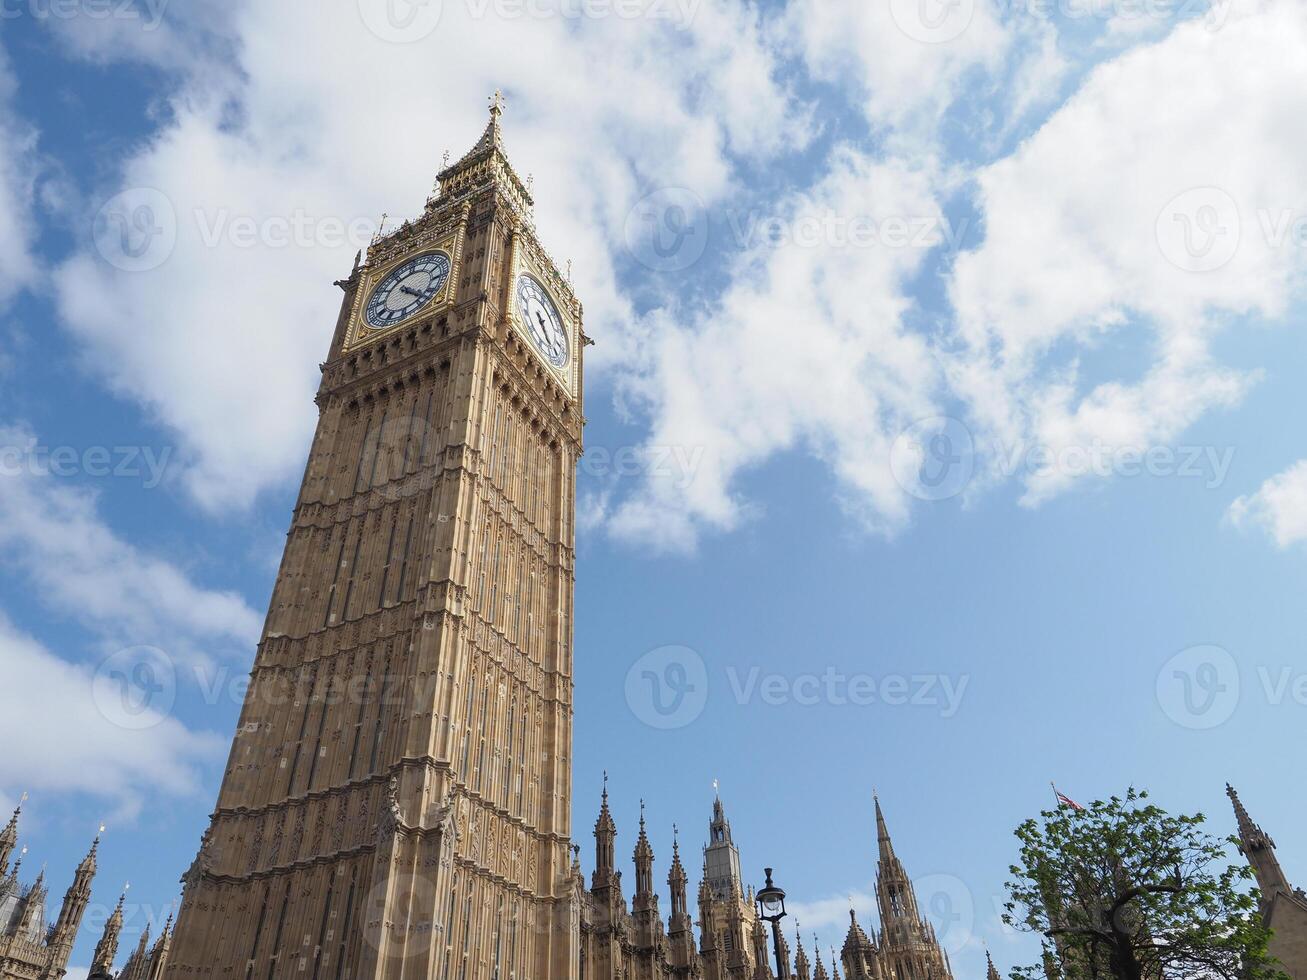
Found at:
<point>771,908</point>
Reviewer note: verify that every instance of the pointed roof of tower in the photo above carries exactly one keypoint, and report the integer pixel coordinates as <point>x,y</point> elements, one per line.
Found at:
<point>834,966</point>
<point>10,834</point>
<point>719,828</point>
<point>991,972</point>
<point>882,833</point>
<point>486,155</point>
<point>800,957</point>
<point>1252,836</point>
<point>88,864</point>
<point>677,867</point>
<point>165,937</point>
<point>642,847</point>
<point>1259,849</point>
<point>819,972</point>
<point>605,823</point>
<point>856,938</point>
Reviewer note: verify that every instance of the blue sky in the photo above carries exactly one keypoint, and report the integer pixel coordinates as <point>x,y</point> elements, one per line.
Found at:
<point>944,440</point>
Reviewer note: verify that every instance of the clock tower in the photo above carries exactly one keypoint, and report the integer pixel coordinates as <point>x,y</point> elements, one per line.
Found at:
<point>397,802</point>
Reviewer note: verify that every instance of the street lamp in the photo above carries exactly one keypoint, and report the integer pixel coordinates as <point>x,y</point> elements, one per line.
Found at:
<point>771,908</point>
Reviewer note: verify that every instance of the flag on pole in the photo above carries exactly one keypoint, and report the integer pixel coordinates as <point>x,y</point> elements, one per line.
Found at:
<point>1064,800</point>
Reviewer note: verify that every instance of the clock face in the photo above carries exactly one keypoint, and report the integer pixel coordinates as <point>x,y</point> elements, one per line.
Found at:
<point>407,289</point>
<point>538,312</point>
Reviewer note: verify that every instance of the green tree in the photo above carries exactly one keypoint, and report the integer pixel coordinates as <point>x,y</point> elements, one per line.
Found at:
<point>1121,889</point>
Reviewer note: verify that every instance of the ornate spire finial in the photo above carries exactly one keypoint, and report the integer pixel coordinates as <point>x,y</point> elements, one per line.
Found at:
<point>444,160</point>
<point>497,104</point>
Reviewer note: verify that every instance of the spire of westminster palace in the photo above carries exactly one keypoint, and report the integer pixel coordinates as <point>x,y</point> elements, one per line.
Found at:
<point>398,796</point>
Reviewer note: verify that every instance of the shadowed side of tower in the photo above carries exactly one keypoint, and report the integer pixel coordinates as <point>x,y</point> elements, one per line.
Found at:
<point>397,798</point>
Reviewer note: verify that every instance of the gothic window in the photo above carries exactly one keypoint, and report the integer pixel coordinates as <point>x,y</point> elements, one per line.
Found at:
<point>322,932</point>
<point>276,942</point>
<point>345,925</point>
<point>403,566</point>
<point>385,569</point>
<point>353,571</point>
<point>328,614</point>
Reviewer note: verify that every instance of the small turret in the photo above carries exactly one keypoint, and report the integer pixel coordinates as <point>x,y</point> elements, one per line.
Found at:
<point>139,962</point>
<point>106,950</point>
<point>819,973</point>
<point>32,925</point>
<point>802,968</point>
<point>991,971</point>
<point>644,858</point>
<point>158,962</point>
<point>859,953</point>
<point>78,896</point>
<point>605,840</point>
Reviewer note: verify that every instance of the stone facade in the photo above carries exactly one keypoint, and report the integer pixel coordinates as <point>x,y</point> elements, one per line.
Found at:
<point>30,947</point>
<point>1284,907</point>
<point>397,797</point>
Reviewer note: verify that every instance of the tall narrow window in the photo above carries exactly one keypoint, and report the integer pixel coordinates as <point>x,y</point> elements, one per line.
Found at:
<point>353,571</point>
<point>328,614</point>
<point>403,565</point>
<point>345,925</point>
<point>385,569</point>
<point>322,932</point>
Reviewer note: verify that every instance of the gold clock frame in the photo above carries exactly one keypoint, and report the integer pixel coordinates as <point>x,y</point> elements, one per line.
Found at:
<point>567,374</point>
<point>361,332</point>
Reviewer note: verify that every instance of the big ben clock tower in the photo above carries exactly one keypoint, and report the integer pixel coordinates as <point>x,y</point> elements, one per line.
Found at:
<point>397,802</point>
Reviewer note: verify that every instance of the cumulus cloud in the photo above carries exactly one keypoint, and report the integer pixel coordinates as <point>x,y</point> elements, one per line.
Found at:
<point>80,748</point>
<point>52,534</point>
<point>1128,218</point>
<point>806,349</point>
<point>224,331</point>
<point>1279,507</point>
<point>1092,227</point>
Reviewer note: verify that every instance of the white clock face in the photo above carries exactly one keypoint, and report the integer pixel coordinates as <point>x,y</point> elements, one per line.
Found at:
<point>407,289</point>
<point>540,316</point>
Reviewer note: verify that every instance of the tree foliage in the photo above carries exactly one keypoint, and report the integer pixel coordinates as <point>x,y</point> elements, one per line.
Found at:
<point>1123,890</point>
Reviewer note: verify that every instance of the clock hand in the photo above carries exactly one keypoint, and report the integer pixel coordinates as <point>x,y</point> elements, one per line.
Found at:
<point>411,292</point>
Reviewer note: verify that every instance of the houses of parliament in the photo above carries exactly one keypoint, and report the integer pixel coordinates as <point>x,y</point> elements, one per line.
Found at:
<point>397,801</point>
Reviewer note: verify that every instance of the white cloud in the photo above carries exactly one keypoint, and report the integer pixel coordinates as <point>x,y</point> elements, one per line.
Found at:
<point>77,748</point>
<point>219,341</point>
<point>19,165</point>
<point>1086,230</point>
<point>1279,507</point>
<point>807,348</point>
<point>52,533</point>
<point>905,62</point>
